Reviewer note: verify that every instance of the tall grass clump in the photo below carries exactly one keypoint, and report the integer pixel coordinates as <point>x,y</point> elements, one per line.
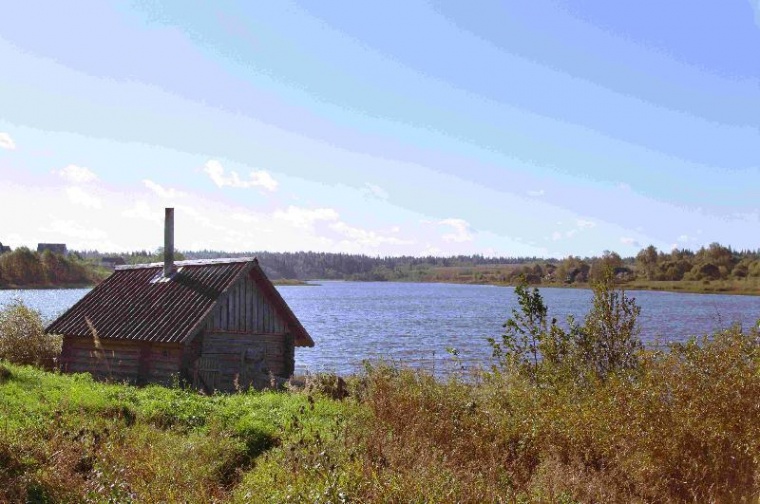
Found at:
<point>23,339</point>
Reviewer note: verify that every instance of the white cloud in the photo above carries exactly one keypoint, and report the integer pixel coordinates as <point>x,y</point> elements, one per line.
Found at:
<point>431,251</point>
<point>571,233</point>
<point>77,174</point>
<point>215,171</point>
<point>74,229</point>
<point>79,196</point>
<point>556,236</point>
<point>683,238</point>
<point>162,192</point>
<point>6,142</point>
<point>141,210</point>
<point>626,240</point>
<point>245,217</point>
<point>537,193</point>
<point>376,191</point>
<point>304,218</point>
<point>461,230</point>
<point>366,238</point>
<point>585,224</point>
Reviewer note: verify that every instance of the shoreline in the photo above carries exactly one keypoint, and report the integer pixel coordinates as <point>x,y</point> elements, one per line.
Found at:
<point>47,286</point>
<point>719,287</point>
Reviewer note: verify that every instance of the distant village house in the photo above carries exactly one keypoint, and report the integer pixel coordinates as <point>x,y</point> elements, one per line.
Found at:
<point>56,248</point>
<point>4,249</point>
<point>216,324</point>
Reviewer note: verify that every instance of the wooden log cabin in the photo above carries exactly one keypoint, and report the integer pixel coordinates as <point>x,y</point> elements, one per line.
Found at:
<point>216,324</point>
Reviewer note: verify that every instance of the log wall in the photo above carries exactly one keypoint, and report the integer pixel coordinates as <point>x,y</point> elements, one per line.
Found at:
<point>237,361</point>
<point>131,361</point>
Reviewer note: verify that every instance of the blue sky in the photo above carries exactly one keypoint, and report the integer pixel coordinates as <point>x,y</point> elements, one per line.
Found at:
<point>544,128</point>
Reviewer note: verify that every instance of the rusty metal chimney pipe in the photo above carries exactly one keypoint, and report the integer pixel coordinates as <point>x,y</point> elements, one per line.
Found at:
<point>169,242</point>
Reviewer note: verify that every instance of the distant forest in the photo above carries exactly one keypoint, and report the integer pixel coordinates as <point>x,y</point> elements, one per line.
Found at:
<point>23,267</point>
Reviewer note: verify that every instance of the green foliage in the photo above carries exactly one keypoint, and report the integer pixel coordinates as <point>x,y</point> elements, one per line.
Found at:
<point>23,267</point>
<point>609,340</point>
<point>23,339</point>
<point>67,438</point>
<point>530,344</point>
<point>542,351</point>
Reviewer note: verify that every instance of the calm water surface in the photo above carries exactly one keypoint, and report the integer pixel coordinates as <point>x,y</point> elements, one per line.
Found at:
<point>415,323</point>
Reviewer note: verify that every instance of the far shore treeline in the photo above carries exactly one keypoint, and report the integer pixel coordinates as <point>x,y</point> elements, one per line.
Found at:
<point>713,268</point>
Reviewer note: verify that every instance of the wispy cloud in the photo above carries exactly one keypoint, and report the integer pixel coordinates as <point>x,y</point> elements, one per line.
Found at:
<point>306,217</point>
<point>626,240</point>
<point>216,172</point>
<point>364,237</point>
<point>461,230</point>
<point>246,218</point>
<point>537,193</point>
<point>74,229</point>
<point>142,210</point>
<point>6,142</point>
<point>585,224</point>
<point>375,190</point>
<point>77,174</point>
<point>162,192</point>
<point>684,238</point>
<point>79,196</point>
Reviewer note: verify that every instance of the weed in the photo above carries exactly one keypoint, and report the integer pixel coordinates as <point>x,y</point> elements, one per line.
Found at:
<point>23,339</point>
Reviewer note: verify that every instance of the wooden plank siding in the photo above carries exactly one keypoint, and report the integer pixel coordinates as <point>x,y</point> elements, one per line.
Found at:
<point>134,362</point>
<point>244,340</point>
<point>244,309</point>
<point>247,359</point>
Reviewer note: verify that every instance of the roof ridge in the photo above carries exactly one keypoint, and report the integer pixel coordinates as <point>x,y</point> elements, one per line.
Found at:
<point>192,262</point>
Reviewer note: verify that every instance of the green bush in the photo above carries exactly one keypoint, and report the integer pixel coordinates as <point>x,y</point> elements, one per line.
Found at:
<point>606,343</point>
<point>609,340</point>
<point>23,339</point>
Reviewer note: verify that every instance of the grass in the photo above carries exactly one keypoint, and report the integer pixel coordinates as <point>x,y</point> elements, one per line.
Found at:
<point>684,429</point>
<point>66,438</point>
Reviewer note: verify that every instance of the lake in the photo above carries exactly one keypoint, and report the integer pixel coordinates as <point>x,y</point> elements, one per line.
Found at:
<point>414,323</point>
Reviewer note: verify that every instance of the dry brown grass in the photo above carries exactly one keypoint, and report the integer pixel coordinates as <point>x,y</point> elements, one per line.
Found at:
<point>685,430</point>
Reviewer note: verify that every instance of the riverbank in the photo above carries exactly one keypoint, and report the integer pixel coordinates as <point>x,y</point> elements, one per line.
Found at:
<point>47,286</point>
<point>401,436</point>
<point>746,287</point>
<point>293,281</point>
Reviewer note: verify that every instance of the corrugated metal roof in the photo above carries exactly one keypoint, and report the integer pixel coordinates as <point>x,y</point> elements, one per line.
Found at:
<point>137,303</point>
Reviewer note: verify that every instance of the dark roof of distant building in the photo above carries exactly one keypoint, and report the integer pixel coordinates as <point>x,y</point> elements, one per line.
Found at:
<point>137,303</point>
<point>114,260</point>
<point>57,248</point>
